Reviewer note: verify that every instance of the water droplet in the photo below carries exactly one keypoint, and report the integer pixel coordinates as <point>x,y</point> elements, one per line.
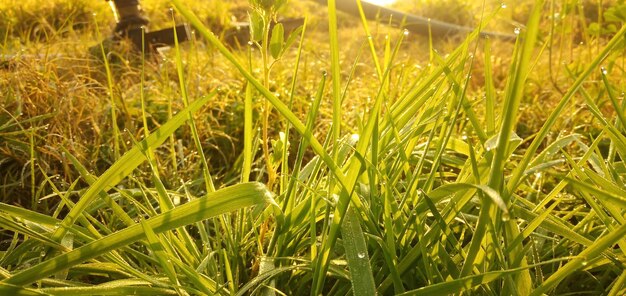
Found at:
<point>604,71</point>
<point>361,255</point>
<point>538,175</point>
<point>516,31</point>
<point>584,263</point>
<point>506,217</point>
<point>405,32</point>
<point>464,137</point>
<point>503,5</point>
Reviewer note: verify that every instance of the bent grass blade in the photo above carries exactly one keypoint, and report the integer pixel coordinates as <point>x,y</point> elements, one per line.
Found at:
<point>216,203</point>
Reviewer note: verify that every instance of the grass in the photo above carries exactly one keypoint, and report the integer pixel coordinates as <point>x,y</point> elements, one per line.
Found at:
<point>343,158</point>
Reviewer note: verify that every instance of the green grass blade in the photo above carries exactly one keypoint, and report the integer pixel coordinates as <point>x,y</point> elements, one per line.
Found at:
<point>610,197</point>
<point>518,174</point>
<point>580,261</point>
<point>247,135</point>
<point>160,252</point>
<point>356,253</point>
<point>468,282</point>
<point>208,179</point>
<point>345,197</point>
<point>215,203</point>
<point>275,101</point>
<point>125,165</point>
<point>335,74</point>
<point>490,92</point>
<point>612,97</point>
<point>105,290</point>
<point>7,289</point>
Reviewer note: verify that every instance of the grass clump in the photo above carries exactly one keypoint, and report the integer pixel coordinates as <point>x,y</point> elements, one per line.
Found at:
<point>314,163</point>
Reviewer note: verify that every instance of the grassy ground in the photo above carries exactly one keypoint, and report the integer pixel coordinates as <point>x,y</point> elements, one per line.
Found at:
<point>339,164</point>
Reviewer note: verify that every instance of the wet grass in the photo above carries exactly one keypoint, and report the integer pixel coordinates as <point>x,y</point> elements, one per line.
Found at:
<point>343,158</point>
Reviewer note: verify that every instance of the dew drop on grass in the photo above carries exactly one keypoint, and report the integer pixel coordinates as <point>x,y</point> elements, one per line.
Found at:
<point>361,255</point>
<point>516,31</point>
<point>584,263</point>
<point>506,217</point>
<point>503,5</point>
<point>405,32</point>
<point>604,71</point>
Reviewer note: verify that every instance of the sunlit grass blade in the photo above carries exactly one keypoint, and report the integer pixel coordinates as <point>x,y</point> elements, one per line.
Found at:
<point>110,84</point>
<point>515,89</point>
<point>125,165</point>
<point>268,275</point>
<point>219,202</point>
<point>335,74</point>
<point>208,179</point>
<point>609,89</point>
<point>580,261</point>
<point>161,253</point>
<point>7,224</point>
<point>247,135</point>
<point>115,287</point>
<point>490,93</point>
<point>467,283</point>
<point>16,290</point>
<point>90,179</point>
<point>353,171</point>
<point>518,173</point>
<point>277,103</point>
<point>285,170</point>
<point>358,258</point>
<point>618,200</point>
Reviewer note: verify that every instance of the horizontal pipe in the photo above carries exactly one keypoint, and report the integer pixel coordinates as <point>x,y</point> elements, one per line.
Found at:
<point>413,23</point>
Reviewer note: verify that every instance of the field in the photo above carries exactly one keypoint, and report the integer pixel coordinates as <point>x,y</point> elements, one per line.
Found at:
<point>341,157</point>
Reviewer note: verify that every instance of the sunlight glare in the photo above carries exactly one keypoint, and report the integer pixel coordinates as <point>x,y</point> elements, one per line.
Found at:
<point>381,2</point>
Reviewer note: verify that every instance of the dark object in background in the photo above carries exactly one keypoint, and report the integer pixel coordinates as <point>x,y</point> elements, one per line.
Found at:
<point>128,16</point>
<point>160,38</point>
<point>131,23</point>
